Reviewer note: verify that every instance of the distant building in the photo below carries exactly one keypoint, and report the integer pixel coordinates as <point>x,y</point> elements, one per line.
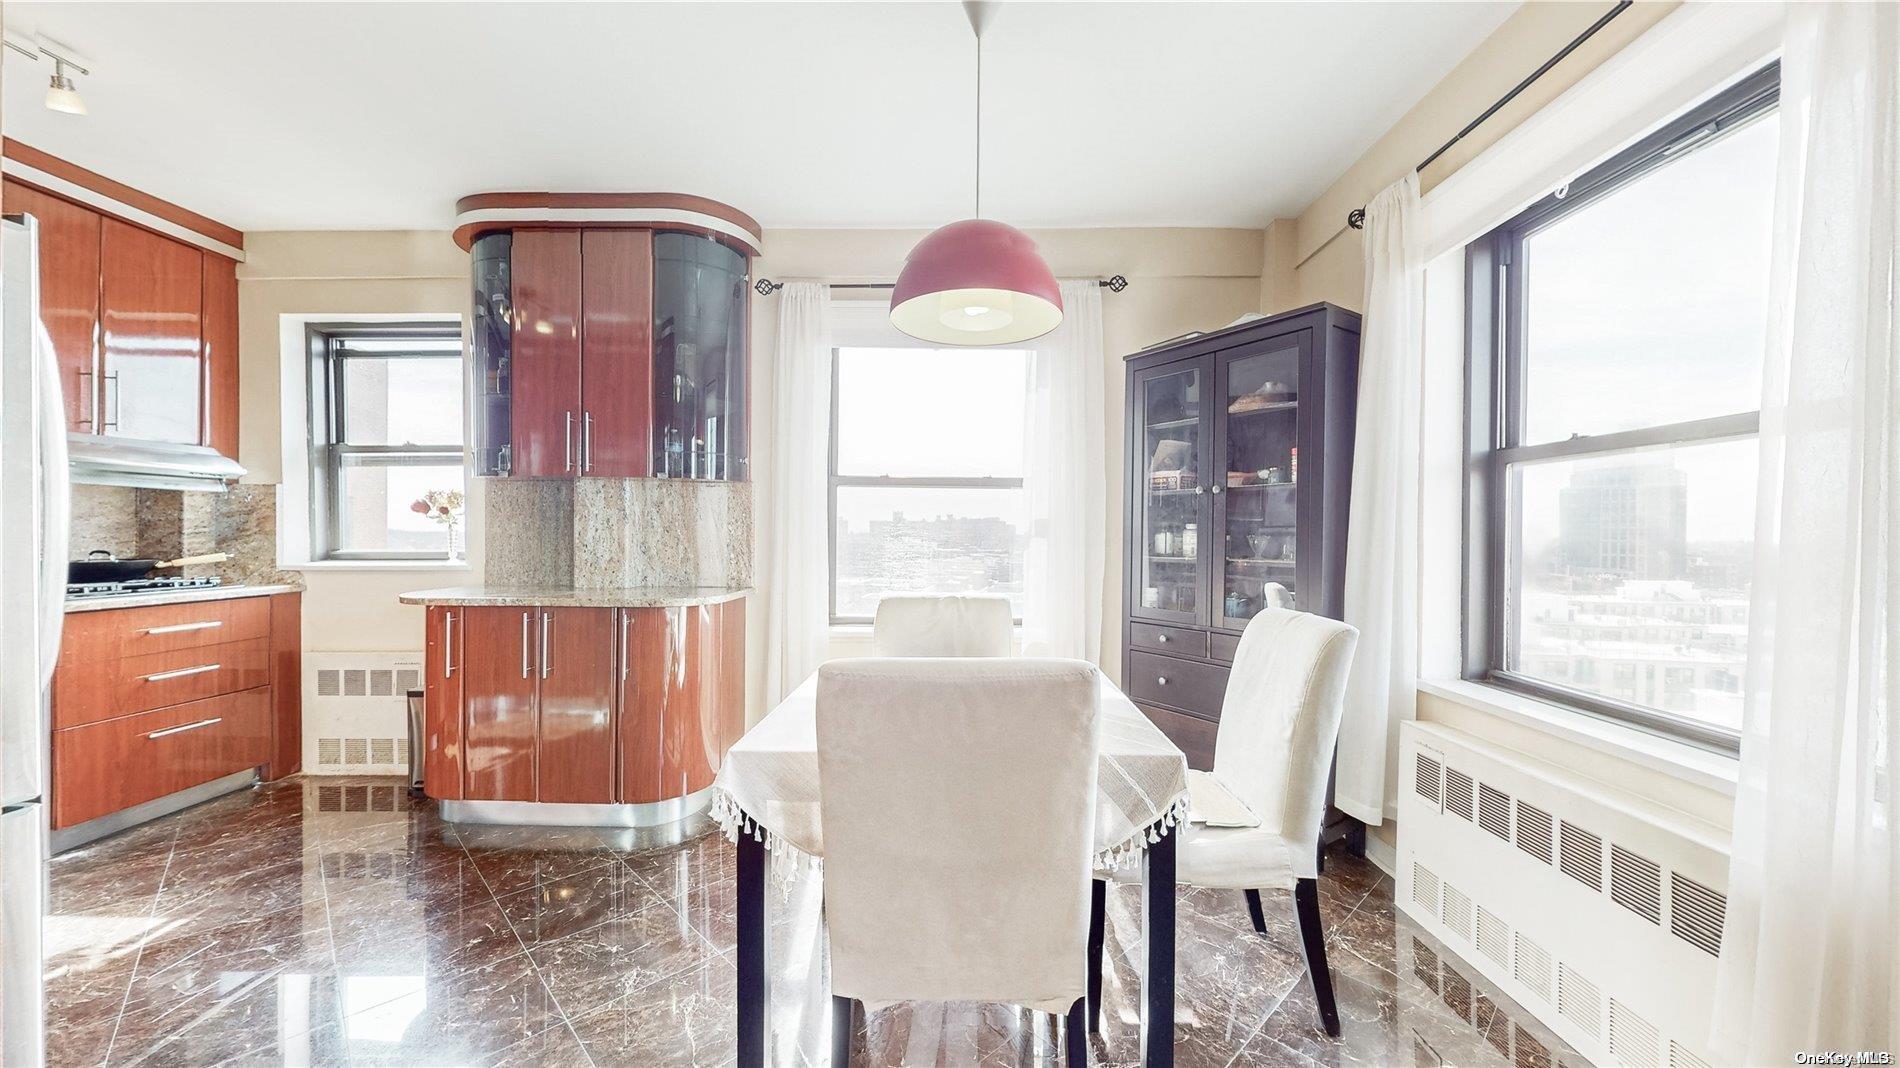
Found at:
<point>1625,522</point>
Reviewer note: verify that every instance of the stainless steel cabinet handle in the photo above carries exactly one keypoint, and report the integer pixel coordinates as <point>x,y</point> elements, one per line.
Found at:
<point>626,643</point>
<point>524,644</point>
<point>587,442</point>
<point>547,627</point>
<point>448,645</point>
<point>112,395</point>
<point>179,628</point>
<point>181,672</point>
<point>186,727</point>
<point>567,443</point>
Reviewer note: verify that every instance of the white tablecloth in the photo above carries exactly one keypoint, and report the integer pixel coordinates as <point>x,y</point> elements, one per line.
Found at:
<point>768,786</point>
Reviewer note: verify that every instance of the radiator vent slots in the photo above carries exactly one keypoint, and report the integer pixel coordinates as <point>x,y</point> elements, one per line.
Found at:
<point>1680,1057</point>
<point>1581,855</point>
<point>1636,883</point>
<point>1457,793</point>
<point>1632,1038</point>
<point>355,710</point>
<point>1425,774</point>
<point>1578,1001</point>
<point>1494,811</point>
<point>1458,912</point>
<point>1425,887</point>
<point>1696,913</point>
<point>1533,966</point>
<point>1533,831</point>
<point>1494,937</point>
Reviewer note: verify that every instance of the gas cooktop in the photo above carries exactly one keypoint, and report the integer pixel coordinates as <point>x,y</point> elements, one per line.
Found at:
<point>145,585</point>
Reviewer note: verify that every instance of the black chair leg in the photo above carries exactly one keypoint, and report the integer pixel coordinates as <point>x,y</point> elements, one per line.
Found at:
<point>1098,937</point>
<point>1313,944</point>
<point>840,1032</point>
<point>1076,1035</point>
<point>1255,912</point>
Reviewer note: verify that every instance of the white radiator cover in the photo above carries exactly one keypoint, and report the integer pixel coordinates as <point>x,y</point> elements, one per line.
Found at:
<point>1595,909</point>
<point>355,712</point>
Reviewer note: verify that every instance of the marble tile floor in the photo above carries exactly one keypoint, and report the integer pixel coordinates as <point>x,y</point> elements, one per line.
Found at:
<point>332,922</point>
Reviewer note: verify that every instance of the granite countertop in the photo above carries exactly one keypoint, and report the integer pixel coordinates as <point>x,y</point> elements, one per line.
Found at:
<point>146,600</point>
<point>567,596</point>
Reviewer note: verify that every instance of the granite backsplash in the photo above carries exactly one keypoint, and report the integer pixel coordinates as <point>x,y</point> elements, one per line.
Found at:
<point>607,533</point>
<point>167,524</point>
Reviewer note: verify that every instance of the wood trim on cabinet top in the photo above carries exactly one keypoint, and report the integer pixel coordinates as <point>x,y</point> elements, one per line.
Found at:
<point>50,174</point>
<point>483,212</point>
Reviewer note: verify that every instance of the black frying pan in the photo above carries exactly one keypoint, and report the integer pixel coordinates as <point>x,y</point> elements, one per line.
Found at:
<point>101,566</point>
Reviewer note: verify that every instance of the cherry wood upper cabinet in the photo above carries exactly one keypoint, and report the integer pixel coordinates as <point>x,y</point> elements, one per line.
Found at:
<point>220,386</point>
<point>547,353</point>
<point>616,352</point>
<point>498,713</point>
<point>69,295</point>
<point>151,303</point>
<point>576,738</point>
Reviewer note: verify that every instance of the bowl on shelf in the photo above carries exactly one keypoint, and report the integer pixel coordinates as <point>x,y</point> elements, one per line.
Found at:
<point>1265,546</point>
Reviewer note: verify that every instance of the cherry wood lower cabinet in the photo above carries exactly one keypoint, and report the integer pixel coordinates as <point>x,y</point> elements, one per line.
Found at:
<point>153,700</point>
<point>581,705</point>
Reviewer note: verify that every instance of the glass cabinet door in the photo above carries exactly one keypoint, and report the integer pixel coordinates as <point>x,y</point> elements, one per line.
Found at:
<point>1171,501</point>
<point>699,358</point>
<point>1259,481</point>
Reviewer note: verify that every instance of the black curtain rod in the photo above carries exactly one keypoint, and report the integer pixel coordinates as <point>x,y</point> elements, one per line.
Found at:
<point>765,287</point>
<point>1356,218</point>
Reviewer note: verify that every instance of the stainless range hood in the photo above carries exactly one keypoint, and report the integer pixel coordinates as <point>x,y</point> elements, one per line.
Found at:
<point>106,461</point>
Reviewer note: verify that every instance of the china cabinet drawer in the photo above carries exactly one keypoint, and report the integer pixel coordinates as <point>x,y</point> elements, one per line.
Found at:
<point>102,768</point>
<point>158,680</point>
<point>1222,646</point>
<point>1179,641</point>
<point>1180,684</point>
<point>109,633</point>
<point>1193,735</point>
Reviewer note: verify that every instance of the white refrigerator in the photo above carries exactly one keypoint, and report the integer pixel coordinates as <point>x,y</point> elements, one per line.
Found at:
<point>34,502</point>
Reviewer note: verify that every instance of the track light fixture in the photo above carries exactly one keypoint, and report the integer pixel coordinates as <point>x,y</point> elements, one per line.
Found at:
<point>61,94</point>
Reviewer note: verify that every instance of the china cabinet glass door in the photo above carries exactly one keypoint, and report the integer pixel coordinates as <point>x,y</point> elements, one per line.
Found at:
<point>1258,480</point>
<point>1171,498</point>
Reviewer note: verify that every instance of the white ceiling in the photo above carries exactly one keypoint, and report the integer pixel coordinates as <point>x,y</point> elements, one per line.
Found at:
<point>378,116</point>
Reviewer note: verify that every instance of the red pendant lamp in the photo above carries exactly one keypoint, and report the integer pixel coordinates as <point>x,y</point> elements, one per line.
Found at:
<point>977,281</point>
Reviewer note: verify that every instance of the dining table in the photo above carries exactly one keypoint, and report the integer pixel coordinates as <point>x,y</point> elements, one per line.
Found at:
<point>766,797</point>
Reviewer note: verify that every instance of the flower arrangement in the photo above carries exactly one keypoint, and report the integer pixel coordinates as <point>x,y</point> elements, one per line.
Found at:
<point>441,506</point>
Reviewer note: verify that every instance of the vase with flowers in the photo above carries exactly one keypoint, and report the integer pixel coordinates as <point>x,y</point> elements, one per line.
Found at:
<point>444,507</point>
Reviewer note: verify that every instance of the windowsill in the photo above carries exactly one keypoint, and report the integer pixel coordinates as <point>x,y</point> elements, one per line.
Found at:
<point>1696,766</point>
<point>379,565</point>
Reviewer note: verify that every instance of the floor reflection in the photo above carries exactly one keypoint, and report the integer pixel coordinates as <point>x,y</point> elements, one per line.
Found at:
<point>332,922</point>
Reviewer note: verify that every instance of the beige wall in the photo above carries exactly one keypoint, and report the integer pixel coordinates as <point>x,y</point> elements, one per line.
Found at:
<point>341,274</point>
<point>1326,260</point>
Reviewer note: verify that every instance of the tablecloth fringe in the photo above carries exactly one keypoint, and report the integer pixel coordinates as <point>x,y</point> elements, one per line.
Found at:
<point>787,858</point>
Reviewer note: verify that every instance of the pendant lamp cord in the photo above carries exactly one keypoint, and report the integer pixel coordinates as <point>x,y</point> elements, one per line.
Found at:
<point>979,125</point>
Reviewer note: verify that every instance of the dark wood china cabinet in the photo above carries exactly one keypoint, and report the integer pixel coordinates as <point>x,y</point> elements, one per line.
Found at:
<point>605,344</point>
<point>1239,464</point>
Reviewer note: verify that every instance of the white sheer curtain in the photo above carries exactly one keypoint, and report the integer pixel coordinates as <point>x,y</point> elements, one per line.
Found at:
<point>1812,940</point>
<point>797,616</point>
<point>1381,595</point>
<point>1062,483</point>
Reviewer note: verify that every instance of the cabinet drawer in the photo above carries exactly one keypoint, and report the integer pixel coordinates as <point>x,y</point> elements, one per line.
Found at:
<point>110,633</point>
<point>101,768</point>
<point>1181,684</point>
<point>158,680</point>
<point>1221,646</point>
<point>1193,735</point>
<point>1180,641</point>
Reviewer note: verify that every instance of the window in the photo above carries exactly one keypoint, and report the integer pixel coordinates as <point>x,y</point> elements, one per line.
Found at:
<point>926,474</point>
<point>1617,329</point>
<point>385,429</point>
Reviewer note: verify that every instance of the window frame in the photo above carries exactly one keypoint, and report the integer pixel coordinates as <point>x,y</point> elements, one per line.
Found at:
<point>329,450</point>
<point>834,480</point>
<point>1494,409</point>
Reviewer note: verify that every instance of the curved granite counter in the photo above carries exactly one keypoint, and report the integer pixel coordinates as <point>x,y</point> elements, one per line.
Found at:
<point>579,707</point>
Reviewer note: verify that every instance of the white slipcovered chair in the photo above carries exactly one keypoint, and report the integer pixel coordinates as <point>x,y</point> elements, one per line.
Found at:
<point>957,805</point>
<point>962,624</point>
<point>1273,753</point>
